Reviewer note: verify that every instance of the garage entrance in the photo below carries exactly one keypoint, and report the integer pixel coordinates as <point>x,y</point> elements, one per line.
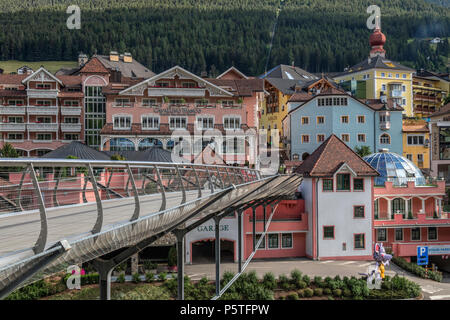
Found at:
<point>203,251</point>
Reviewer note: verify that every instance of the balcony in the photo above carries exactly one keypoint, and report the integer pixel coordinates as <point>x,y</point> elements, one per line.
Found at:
<point>42,127</point>
<point>11,110</point>
<point>176,92</point>
<point>42,141</point>
<point>385,125</point>
<point>42,110</point>
<point>70,127</point>
<point>42,93</point>
<point>396,93</point>
<point>12,126</point>
<point>420,219</point>
<point>70,111</point>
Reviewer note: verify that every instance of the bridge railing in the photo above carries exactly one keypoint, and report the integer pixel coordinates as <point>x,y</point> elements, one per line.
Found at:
<point>39,185</point>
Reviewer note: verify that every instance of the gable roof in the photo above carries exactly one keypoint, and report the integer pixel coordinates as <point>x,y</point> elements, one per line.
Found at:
<point>240,87</point>
<point>132,69</point>
<point>233,70</point>
<point>76,149</point>
<point>94,66</point>
<point>330,156</point>
<point>176,69</point>
<point>283,71</point>
<point>41,69</point>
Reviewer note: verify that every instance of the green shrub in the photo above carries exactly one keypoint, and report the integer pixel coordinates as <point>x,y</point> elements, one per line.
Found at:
<point>121,278</point>
<point>307,280</point>
<point>301,293</point>
<point>317,280</point>
<point>327,291</point>
<point>292,296</point>
<point>417,270</point>
<point>162,276</point>
<point>308,292</point>
<point>252,277</point>
<point>269,281</point>
<point>347,293</point>
<point>149,276</point>
<point>337,292</point>
<point>296,276</point>
<point>318,292</point>
<point>136,278</point>
<point>301,284</point>
<point>283,282</point>
<point>227,276</point>
<point>148,265</point>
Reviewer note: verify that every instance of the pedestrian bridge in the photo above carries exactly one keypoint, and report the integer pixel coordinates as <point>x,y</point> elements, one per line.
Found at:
<point>56,213</point>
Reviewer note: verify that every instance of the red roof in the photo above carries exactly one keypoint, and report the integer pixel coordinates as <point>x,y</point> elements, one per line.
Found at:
<point>330,156</point>
<point>94,66</point>
<point>12,78</point>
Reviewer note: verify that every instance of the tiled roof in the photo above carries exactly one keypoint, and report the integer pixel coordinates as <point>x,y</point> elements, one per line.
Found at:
<point>94,66</point>
<point>416,126</point>
<point>12,93</point>
<point>70,80</point>
<point>376,62</point>
<point>300,97</point>
<point>330,156</point>
<point>283,71</point>
<point>76,149</point>
<point>12,78</point>
<point>442,111</point>
<point>132,69</point>
<point>240,87</point>
<point>377,105</point>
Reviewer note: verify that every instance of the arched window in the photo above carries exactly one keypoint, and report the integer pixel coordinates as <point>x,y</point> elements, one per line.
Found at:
<point>121,144</point>
<point>149,143</point>
<point>398,205</point>
<point>385,139</point>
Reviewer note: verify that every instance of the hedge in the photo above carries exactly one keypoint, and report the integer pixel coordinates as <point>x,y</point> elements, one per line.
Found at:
<point>417,270</point>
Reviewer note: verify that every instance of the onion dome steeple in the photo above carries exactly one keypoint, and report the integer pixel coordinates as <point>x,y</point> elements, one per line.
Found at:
<point>377,40</point>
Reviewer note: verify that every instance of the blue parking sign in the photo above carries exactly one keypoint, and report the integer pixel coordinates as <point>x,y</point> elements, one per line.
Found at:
<point>422,256</point>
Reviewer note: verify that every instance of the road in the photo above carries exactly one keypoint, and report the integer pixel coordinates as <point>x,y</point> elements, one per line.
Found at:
<point>432,290</point>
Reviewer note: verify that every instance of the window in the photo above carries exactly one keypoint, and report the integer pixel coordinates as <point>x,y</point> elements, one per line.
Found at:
<point>320,138</point>
<point>385,117</point>
<point>344,119</point>
<point>409,157</point>
<point>44,136</point>
<point>71,103</point>
<point>383,87</point>
<point>385,139</point>
<point>358,184</point>
<point>398,234</point>
<point>327,185</point>
<point>432,233</point>
<point>43,102</point>
<point>177,122</point>
<point>361,119</point>
<point>188,85</point>
<point>397,75</point>
<point>176,101</point>
<point>122,103</point>
<point>286,240</point>
<point>343,182</point>
<point>204,103</point>
<point>415,140</point>
<point>415,233</point>
<point>305,138</point>
<point>122,122</point>
<point>262,245</point>
<point>404,76</point>
<point>71,120</point>
<point>15,102</point>
<point>205,122</point>
<point>71,136</point>
<point>227,103</point>
<point>358,212</point>
<point>232,123</point>
<point>15,119</point>
<point>328,232</point>
<point>149,122</point>
<point>359,241</point>
<point>148,102</point>
<point>403,101</point>
<point>273,241</point>
<point>43,86</point>
<point>15,136</point>
<point>361,137</point>
<point>390,75</point>
<point>345,137</point>
<point>162,84</point>
<point>381,235</point>
<point>419,157</point>
<point>398,205</point>
<point>383,74</point>
<point>305,120</point>
<point>320,120</point>
<point>44,120</point>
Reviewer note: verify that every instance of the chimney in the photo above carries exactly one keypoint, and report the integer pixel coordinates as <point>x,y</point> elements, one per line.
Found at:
<point>127,57</point>
<point>204,74</point>
<point>82,59</point>
<point>114,56</point>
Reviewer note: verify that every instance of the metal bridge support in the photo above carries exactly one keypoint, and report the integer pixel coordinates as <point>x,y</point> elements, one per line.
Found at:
<point>42,239</point>
<point>217,242</point>
<point>104,269</point>
<point>239,215</point>
<point>254,227</point>
<point>264,216</point>
<point>180,261</point>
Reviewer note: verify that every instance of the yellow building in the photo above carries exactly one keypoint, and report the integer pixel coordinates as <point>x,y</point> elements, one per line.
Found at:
<point>430,90</point>
<point>416,140</point>
<point>377,74</point>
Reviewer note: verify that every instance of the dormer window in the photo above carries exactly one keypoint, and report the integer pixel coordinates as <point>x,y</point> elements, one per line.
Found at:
<point>43,86</point>
<point>343,182</point>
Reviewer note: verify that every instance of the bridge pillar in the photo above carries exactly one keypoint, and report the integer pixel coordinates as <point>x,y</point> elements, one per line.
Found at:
<point>217,242</point>
<point>104,269</point>
<point>180,262</point>
<point>254,227</point>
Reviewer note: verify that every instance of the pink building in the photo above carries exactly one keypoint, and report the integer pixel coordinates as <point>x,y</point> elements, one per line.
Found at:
<point>40,112</point>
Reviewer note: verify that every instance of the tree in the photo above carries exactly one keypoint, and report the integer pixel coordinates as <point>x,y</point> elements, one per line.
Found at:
<point>363,151</point>
<point>118,157</point>
<point>8,151</point>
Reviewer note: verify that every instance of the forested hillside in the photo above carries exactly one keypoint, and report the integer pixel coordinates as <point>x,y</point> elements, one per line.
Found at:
<point>318,35</point>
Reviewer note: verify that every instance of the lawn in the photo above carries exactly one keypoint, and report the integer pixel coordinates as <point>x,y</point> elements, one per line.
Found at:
<point>52,66</point>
